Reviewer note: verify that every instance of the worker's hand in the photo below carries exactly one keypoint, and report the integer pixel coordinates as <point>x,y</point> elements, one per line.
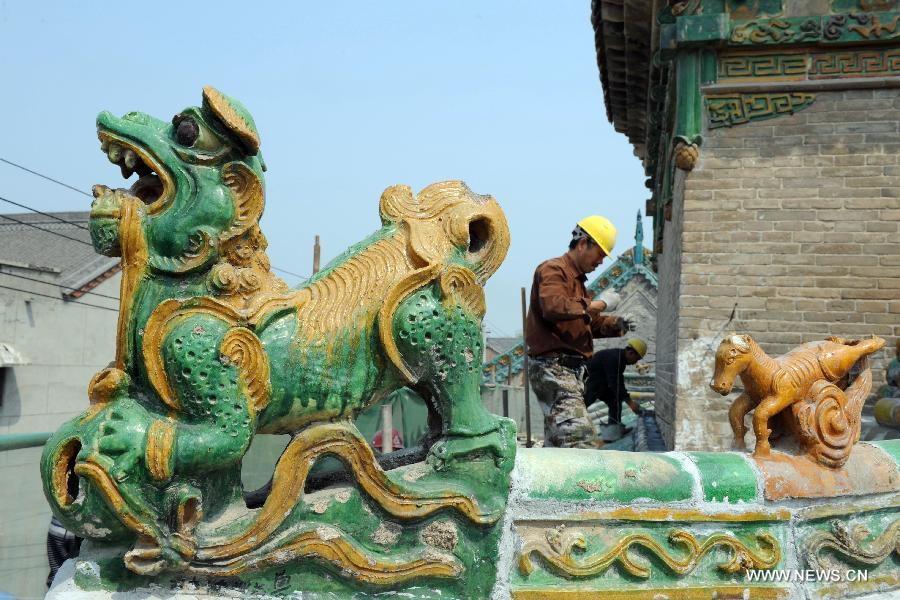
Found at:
<point>624,324</point>
<point>597,306</point>
<point>612,298</point>
<point>635,408</point>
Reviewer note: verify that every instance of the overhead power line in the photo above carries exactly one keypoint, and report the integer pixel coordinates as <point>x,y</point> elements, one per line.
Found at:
<point>6,287</point>
<point>75,189</point>
<point>45,214</point>
<point>289,273</point>
<point>50,231</point>
<point>42,176</point>
<point>8,274</point>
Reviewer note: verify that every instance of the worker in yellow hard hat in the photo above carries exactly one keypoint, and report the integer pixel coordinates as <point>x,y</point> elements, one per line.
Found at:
<point>606,382</point>
<point>563,320</point>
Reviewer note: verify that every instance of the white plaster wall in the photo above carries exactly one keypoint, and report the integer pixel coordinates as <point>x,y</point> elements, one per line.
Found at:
<point>66,344</point>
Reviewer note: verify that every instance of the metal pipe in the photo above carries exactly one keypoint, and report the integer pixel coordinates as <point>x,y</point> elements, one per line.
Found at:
<point>505,403</point>
<point>387,428</point>
<point>14,441</point>
<point>528,442</point>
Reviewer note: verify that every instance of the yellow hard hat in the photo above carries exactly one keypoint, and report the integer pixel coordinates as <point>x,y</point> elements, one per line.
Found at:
<point>639,346</point>
<point>601,230</point>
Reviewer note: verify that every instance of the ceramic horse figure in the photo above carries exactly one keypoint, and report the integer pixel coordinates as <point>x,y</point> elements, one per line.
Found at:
<point>815,370</point>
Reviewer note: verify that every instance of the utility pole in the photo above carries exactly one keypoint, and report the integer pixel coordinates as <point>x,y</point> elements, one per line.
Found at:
<point>317,251</point>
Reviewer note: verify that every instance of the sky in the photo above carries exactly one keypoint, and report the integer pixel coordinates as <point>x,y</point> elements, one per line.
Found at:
<point>349,98</point>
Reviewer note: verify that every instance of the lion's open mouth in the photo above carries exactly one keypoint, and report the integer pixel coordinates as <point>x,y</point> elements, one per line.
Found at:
<point>151,185</point>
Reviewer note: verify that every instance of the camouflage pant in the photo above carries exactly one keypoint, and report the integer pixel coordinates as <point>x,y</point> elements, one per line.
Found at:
<point>560,392</point>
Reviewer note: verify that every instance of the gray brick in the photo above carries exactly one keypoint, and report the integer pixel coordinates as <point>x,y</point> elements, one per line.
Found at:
<point>855,203</point>
<point>803,182</point>
<point>850,227</point>
<point>793,259</point>
<point>853,171</point>
<point>883,115</point>
<point>882,104</point>
<point>886,226</point>
<point>850,160</point>
<point>848,260</point>
<point>812,203</point>
<point>786,215</point>
<point>882,159</point>
<point>867,128</point>
<point>846,215</point>
<point>818,161</point>
<point>791,193</point>
<point>820,304</point>
<point>831,248</point>
<point>882,138</point>
<point>869,182</point>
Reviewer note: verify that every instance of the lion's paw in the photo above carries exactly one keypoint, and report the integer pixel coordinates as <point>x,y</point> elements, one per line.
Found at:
<point>499,443</point>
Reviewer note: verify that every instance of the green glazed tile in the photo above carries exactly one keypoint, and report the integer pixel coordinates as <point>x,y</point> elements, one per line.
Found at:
<point>725,475</point>
<point>566,474</point>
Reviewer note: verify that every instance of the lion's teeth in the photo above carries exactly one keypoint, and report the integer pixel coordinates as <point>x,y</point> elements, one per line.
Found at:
<point>130,159</point>
<point>114,153</point>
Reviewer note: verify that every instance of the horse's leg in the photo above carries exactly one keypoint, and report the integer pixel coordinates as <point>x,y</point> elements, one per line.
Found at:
<point>768,407</point>
<point>739,409</point>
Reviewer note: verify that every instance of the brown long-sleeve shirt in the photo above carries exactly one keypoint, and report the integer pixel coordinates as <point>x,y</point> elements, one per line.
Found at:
<point>558,320</point>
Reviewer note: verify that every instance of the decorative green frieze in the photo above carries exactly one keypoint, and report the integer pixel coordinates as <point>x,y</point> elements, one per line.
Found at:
<point>847,28</point>
<point>840,28</point>
<point>809,65</point>
<point>863,5</point>
<point>855,545</point>
<point>576,553</point>
<point>736,109</point>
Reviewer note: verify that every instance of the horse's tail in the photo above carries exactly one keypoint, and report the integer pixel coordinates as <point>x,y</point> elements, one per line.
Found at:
<point>828,419</point>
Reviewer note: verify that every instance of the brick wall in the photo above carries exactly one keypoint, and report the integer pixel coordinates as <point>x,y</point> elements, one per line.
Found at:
<point>669,271</point>
<point>796,221</point>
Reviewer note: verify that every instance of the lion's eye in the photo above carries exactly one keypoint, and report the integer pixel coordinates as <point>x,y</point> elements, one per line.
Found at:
<point>729,361</point>
<point>186,131</point>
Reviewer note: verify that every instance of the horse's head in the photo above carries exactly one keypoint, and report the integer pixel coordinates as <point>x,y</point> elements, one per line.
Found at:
<point>732,358</point>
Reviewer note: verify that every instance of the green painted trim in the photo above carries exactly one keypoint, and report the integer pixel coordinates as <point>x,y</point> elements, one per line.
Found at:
<point>689,103</point>
<point>709,67</point>
<point>563,474</point>
<point>726,476</point>
<point>701,29</point>
<point>15,441</point>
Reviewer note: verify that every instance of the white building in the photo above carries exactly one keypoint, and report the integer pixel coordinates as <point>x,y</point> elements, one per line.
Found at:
<point>58,312</point>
